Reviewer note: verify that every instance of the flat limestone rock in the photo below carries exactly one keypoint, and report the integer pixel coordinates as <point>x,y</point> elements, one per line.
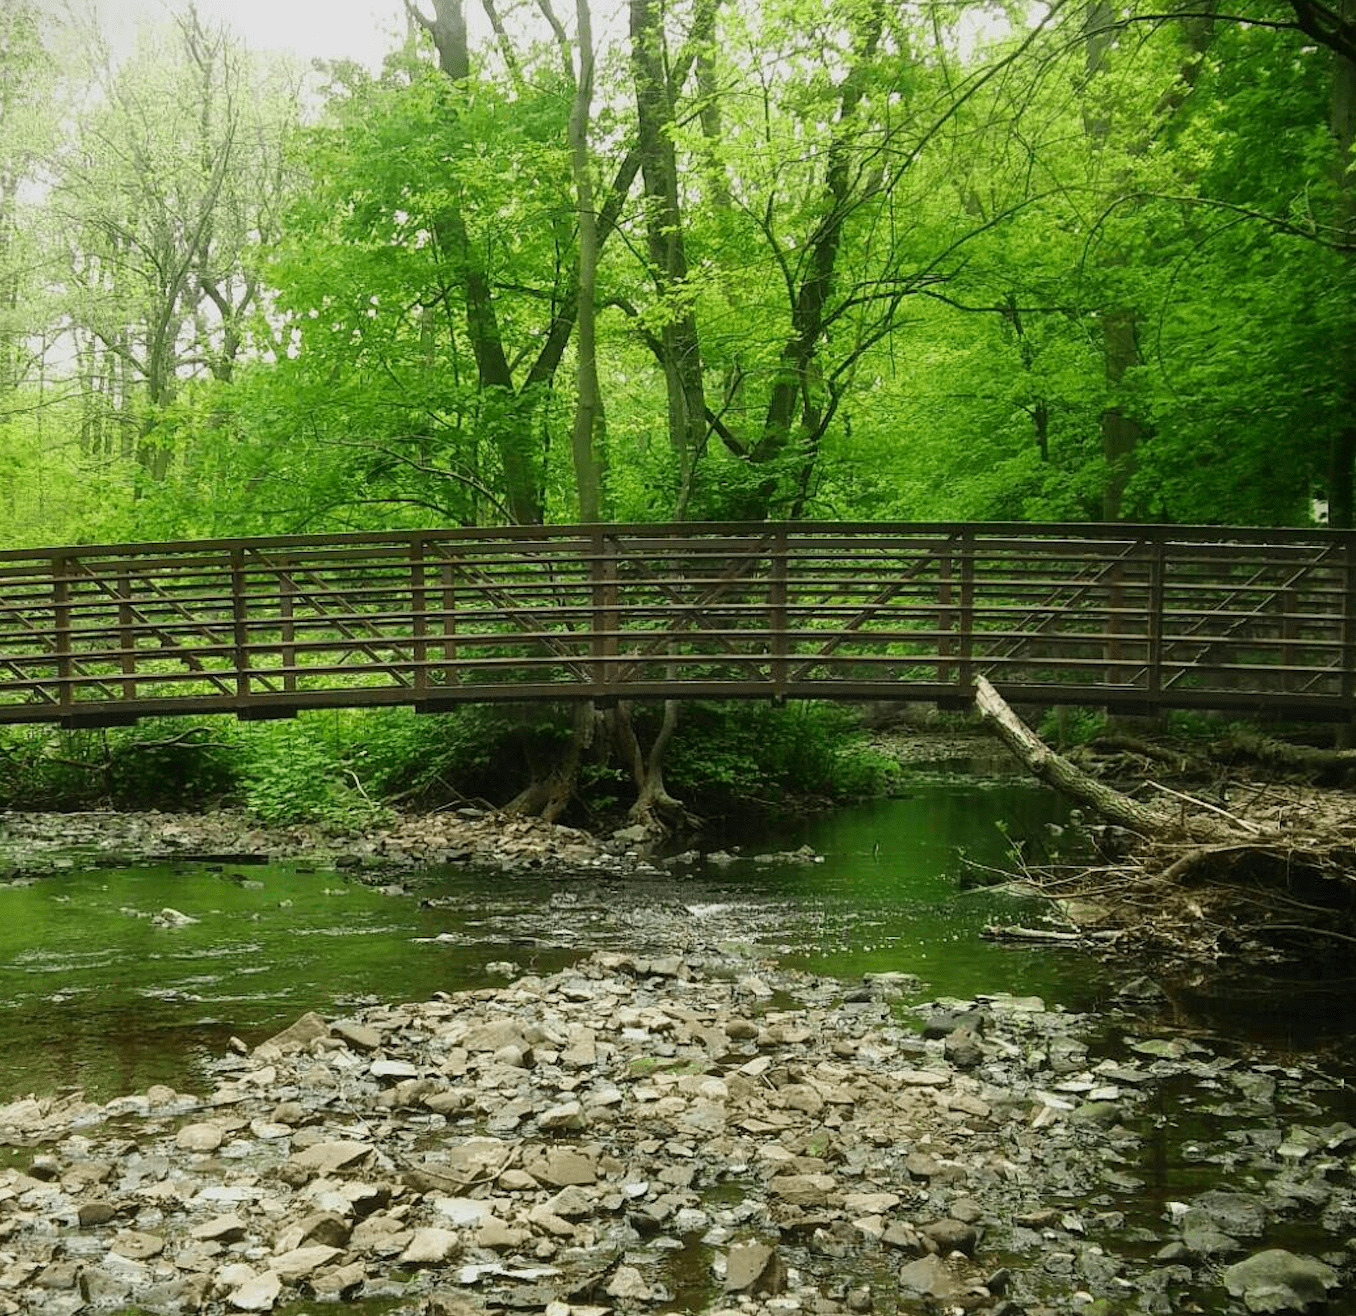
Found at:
<point>220,1229</point>
<point>563,1167</point>
<point>754,1268</point>
<point>138,1246</point>
<point>920,1078</point>
<point>307,1029</point>
<point>930,1277</point>
<point>300,1262</point>
<point>258,1293</point>
<point>334,1283</point>
<point>361,1037</point>
<point>430,1246</point>
<point>325,1158</point>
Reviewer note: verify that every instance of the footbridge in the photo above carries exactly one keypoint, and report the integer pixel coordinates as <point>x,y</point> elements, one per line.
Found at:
<point>1127,617</point>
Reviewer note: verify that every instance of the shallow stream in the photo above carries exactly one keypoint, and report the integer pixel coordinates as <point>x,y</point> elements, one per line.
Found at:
<point>95,993</point>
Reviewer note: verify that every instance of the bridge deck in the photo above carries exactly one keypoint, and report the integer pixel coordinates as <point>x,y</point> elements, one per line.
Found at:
<point>1135,617</point>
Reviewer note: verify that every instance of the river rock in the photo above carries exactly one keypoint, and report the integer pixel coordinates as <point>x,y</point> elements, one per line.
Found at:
<point>200,1137</point>
<point>754,1268</point>
<point>309,1028</point>
<point>325,1158</point>
<point>962,1048</point>
<point>361,1037</point>
<point>257,1293</point>
<point>563,1167</point>
<point>430,1246</point>
<point>1240,1215</point>
<point>97,1212</point>
<point>499,1235</point>
<point>952,1236</point>
<point>568,1117</point>
<point>930,1277</point>
<point>337,1281</point>
<point>173,918</point>
<point>803,1189</point>
<point>220,1229</point>
<point>300,1263</point>
<point>1277,1280</point>
<point>138,1246</point>
<point>628,1283</point>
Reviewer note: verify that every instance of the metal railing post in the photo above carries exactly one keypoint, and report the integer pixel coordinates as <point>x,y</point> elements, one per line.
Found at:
<point>239,627</point>
<point>127,640</point>
<point>1155,621</point>
<point>1348,679</point>
<point>779,651</point>
<point>419,618</point>
<point>946,619</point>
<point>61,622</point>
<point>965,678</point>
<point>287,628</point>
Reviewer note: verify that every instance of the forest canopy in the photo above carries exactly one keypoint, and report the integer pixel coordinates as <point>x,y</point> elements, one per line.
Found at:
<point>681,259</point>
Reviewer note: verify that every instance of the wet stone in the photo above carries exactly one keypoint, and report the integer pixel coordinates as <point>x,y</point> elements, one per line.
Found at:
<point>1280,1281</point>
<point>952,1236</point>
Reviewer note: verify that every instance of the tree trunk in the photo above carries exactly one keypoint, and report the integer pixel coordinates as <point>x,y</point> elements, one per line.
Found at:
<point>681,347</point>
<point>1055,770</point>
<point>1342,450</point>
<point>654,808</point>
<point>793,410</point>
<point>551,789</point>
<point>587,439</point>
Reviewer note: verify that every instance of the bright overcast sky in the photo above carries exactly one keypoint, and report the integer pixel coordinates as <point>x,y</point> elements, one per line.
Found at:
<point>364,30</point>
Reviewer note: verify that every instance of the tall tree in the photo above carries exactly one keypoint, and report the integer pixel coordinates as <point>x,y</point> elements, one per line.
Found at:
<point>175,176</point>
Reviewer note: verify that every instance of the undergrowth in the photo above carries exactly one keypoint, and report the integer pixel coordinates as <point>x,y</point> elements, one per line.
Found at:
<point>349,769</point>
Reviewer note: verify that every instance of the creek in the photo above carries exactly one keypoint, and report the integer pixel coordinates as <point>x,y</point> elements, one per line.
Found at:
<point>96,994</point>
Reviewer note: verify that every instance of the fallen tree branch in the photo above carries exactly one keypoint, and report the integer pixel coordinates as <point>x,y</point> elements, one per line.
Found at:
<point>1057,771</point>
<point>1014,932</point>
<point>1251,828</point>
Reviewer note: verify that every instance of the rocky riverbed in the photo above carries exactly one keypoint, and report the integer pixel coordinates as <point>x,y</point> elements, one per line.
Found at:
<point>33,843</point>
<point>700,1134</point>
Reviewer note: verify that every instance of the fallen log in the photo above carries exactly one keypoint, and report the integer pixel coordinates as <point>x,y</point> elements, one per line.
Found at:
<point>1057,771</point>
<point>1249,744</point>
<point>1015,932</point>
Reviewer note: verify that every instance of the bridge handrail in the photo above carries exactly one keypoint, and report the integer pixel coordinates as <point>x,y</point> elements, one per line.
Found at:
<point>1131,615</point>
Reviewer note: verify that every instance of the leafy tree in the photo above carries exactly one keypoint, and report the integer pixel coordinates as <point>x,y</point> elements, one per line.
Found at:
<point>174,176</point>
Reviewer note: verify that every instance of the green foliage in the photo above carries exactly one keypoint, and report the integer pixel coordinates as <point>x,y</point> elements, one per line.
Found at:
<point>1064,726</point>
<point>773,756</point>
<point>158,764</point>
<point>305,771</point>
<point>216,318</point>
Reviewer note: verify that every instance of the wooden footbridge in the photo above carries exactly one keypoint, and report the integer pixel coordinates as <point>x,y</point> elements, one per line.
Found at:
<point>1125,617</point>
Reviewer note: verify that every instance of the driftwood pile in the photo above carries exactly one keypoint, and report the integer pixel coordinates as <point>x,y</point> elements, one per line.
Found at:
<point>1265,871</point>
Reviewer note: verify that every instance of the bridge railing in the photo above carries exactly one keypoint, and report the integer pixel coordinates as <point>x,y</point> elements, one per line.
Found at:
<point>1132,616</point>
